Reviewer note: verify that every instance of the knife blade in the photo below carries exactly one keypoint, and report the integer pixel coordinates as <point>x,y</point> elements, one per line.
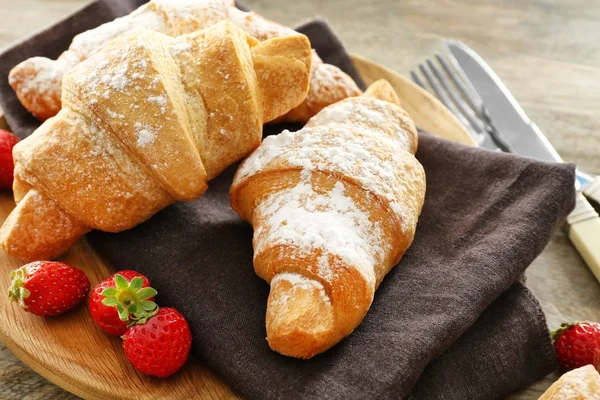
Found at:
<point>494,101</point>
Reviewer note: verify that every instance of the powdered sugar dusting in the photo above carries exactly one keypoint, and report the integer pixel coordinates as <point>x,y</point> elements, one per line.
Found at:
<point>333,149</point>
<point>325,269</point>
<point>188,16</point>
<point>41,78</point>
<point>580,383</point>
<point>113,114</point>
<point>45,83</point>
<point>146,134</point>
<point>160,101</point>
<point>374,113</point>
<point>255,25</point>
<point>300,282</point>
<point>327,80</point>
<point>363,138</point>
<point>370,147</point>
<point>179,47</point>
<point>328,83</point>
<point>89,42</point>
<point>118,79</point>
<point>331,222</point>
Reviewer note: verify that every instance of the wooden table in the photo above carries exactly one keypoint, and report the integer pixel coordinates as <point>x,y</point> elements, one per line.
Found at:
<point>546,51</point>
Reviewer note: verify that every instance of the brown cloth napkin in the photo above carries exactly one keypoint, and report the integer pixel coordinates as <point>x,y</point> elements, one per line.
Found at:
<point>452,321</point>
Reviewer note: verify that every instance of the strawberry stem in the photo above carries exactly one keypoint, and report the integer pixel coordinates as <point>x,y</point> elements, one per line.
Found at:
<point>17,291</point>
<point>130,299</point>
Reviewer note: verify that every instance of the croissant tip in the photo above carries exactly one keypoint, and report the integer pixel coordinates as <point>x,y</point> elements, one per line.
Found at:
<point>382,90</point>
<point>300,317</point>
<point>296,344</point>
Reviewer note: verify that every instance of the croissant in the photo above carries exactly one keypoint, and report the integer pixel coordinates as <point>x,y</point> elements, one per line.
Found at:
<point>579,384</point>
<point>146,122</point>
<point>37,81</point>
<point>328,83</point>
<point>334,207</point>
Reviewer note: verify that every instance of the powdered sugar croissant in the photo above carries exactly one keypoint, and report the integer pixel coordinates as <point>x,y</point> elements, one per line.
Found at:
<point>146,122</point>
<point>328,83</point>
<point>37,81</point>
<point>334,207</point>
<point>579,384</point>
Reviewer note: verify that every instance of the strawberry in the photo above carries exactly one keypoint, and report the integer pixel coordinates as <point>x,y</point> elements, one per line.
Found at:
<point>160,346</point>
<point>48,288</point>
<point>7,142</point>
<point>576,344</point>
<point>119,299</point>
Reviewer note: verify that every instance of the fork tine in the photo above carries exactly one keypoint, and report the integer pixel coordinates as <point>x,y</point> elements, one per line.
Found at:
<point>417,80</point>
<point>447,102</point>
<point>456,98</point>
<point>438,90</point>
<point>472,98</point>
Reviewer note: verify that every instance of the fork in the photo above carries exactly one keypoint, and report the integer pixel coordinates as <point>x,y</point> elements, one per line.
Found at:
<point>462,100</point>
<point>447,80</point>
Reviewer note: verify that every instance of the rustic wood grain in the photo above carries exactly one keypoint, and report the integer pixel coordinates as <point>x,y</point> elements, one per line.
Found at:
<point>546,51</point>
<point>427,112</point>
<point>76,355</point>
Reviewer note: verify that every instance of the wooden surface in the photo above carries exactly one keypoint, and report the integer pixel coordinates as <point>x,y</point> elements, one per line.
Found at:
<point>546,51</point>
<point>427,112</point>
<point>74,354</point>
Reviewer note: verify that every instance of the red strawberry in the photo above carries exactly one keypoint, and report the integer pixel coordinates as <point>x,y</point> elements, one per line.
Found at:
<point>160,346</point>
<point>48,288</point>
<point>576,344</point>
<point>121,297</point>
<point>7,142</point>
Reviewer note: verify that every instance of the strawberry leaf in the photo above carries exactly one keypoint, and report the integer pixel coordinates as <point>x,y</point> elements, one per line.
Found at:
<point>132,309</point>
<point>110,292</point>
<point>17,291</point>
<point>146,293</point>
<point>147,305</point>
<point>122,313</point>
<point>136,284</point>
<point>110,301</point>
<point>131,299</point>
<point>563,327</point>
<point>121,282</point>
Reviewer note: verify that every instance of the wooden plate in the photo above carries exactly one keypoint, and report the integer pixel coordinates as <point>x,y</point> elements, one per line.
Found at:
<point>72,353</point>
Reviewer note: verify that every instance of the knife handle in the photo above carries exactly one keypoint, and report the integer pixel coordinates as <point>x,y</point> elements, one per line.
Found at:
<point>584,232</point>
<point>592,191</point>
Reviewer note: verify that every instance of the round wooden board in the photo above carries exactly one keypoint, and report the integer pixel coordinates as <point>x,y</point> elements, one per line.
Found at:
<point>427,111</point>
<point>71,352</point>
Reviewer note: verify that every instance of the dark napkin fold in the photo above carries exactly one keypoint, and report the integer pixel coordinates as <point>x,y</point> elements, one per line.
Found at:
<point>452,321</point>
<point>486,217</point>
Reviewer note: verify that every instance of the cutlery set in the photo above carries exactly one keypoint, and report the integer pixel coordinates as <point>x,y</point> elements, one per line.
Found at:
<point>469,87</point>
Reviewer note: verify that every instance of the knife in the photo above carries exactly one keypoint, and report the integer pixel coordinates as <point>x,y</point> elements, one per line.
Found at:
<point>494,102</point>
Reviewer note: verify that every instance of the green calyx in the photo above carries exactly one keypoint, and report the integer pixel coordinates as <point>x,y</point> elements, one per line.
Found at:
<point>563,327</point>
<point>131,300</point>
<point>17,291</point>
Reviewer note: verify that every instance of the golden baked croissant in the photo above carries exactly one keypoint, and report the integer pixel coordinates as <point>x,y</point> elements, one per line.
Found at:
<point>37,81</point>
<point>334,207</point>
<point>146,122</point>
<point>328,83</point>
<point>579,384</point>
